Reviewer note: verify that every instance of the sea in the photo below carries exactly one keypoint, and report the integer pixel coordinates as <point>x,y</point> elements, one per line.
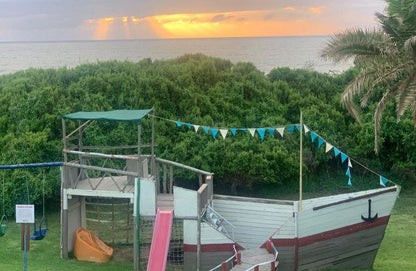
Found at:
<point>265,53</point>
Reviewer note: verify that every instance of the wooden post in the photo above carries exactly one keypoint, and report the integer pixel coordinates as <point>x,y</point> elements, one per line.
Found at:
<point>164,178</point>
<point>153,162</point>
<point>300,162</point>
<point>200,179</point>
<point>25,236</point>
<point>238,257</point>
<point>64,141</point>
<point>137,225</point>
<point>171,179</point>
<point>224,266</point>
<point>198,239</point>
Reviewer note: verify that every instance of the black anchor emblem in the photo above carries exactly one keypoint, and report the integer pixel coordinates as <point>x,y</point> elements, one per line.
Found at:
<point>369,218</point>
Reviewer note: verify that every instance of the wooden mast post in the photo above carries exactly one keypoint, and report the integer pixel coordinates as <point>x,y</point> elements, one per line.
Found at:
<point>300,162</point>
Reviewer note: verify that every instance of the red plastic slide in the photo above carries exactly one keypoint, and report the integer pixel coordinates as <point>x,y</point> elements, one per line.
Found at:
<point>160,241</point>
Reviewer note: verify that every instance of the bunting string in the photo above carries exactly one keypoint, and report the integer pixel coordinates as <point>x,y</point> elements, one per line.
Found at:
<point>262,131</point>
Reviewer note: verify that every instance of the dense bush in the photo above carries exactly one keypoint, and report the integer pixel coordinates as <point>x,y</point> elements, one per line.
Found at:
<point>200,90</point>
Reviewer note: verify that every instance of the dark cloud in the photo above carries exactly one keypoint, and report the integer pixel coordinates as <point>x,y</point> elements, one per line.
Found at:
<point>221,17</point>
<point>63,19</point>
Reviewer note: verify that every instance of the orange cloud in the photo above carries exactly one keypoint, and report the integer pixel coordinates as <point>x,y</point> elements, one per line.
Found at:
<point>103,25</point>
<point>317,10</point>
<point>290,8</point>
<point>253,23</point>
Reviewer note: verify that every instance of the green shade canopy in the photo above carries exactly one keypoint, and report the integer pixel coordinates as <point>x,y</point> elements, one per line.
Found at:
<point>115,115</point>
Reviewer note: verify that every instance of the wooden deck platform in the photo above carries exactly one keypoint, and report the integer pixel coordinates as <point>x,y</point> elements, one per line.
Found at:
<point>252,257</point>
<point>113,183</point>
<point>164,202</point>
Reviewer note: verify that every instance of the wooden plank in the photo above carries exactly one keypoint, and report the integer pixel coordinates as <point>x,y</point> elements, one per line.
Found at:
<point>365,196</point>
<point>253,257</point>
<point>256,200</point>
<point>330,251</point>
<point>313,222</point>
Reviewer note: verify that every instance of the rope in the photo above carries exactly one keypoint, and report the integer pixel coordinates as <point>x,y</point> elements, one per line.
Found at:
<point>43,193</point>
<point>3,196</point>
<point>228,128</point>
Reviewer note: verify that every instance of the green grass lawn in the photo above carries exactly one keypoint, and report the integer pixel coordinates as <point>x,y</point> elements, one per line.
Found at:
<point>45,254</point>
<point>397,251</point>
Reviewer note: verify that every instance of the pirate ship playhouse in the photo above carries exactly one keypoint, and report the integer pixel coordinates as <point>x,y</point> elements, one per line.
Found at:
<point>195,229</point>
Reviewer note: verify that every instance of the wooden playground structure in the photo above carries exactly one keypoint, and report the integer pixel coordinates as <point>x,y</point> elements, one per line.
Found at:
<point>213,232</point>
<point>143,180</point>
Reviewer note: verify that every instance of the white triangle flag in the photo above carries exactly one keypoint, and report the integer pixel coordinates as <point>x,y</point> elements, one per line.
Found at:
<point>306,128</point>
<point>252,131</point>
<point>223,132</point>
<point>196,127</point>
<point>349,163</point>
<point>328,147</point>
<point>281,131</point>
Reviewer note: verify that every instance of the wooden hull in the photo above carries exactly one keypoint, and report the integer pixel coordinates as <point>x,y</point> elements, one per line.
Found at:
<point>333,232</point>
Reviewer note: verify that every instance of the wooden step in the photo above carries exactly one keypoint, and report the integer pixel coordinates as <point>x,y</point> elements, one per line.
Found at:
<point>252,257</point>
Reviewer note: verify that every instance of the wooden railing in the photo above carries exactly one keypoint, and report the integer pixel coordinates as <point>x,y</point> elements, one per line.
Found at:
<point>167,171</point>
<point>236,258</point>
<point>272,263</point>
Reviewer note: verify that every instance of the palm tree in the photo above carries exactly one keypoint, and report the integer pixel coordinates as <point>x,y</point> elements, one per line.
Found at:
<point>386,58</point>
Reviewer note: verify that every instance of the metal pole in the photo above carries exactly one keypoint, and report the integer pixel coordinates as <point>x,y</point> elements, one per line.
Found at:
<point>300,162</point>
<point>64,140</point>
<point>153,144</point>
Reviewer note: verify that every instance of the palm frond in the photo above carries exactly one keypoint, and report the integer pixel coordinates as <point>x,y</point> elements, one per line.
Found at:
<point>360,83</point>
<point>406,95</point>
<point>400,20</point>
<point>414,114</point>
<point>410,46</point>
<point>390,25</point>
<point>377,118</point>
<point>352,43</point>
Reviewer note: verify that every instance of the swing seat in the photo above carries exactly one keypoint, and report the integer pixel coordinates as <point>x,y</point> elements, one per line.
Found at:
<point>3,225</point>
<point>39,233</point>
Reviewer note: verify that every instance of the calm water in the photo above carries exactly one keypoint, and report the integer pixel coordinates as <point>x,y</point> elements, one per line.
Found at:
<point>265,53</point>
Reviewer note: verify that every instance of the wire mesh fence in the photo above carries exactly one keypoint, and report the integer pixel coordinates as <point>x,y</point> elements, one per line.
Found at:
<point>113,222</point>
<point>175,258</point>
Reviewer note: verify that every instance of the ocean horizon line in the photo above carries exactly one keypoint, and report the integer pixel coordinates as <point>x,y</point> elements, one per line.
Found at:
<point>159,39</point>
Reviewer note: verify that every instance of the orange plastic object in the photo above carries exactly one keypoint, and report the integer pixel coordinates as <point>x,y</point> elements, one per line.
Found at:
<point>90,248</point>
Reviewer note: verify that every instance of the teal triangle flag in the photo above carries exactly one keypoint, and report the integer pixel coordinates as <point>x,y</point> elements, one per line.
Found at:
<point>298,127</point>
<point>206,129</point>
<point>178,123</point>
<point>271,131</point>
<point>233,131</point>
<point>290,128</point>
<point>336,152</point>
<point>313,136</point>
<point>349,182</point>
<point>320,141</point>
<point>383,181</point>
<point>214,132</point>
<point>188,125</point>
<point>343,157</point>
<point>261,132</point>
<point>348,173</point>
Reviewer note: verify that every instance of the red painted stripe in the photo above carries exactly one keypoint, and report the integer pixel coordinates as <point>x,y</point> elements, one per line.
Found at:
<point>323,236</point>
<point>294,242</point>
<point>355,198</point>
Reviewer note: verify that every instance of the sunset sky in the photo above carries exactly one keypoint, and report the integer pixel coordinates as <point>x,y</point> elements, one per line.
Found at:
<point>50,20</point>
